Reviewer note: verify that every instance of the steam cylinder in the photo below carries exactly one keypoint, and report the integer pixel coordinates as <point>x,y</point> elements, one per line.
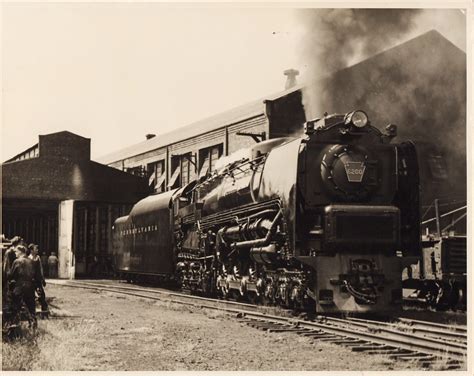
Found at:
<point>251,230</point>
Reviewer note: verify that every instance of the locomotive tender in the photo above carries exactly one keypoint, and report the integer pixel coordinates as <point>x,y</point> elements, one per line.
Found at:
<point>324,220</point>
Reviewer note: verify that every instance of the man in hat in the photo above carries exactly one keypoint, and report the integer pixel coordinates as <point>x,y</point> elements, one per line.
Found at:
<point>22,276</point>
<point>53,265</point>
<point>41,283</point>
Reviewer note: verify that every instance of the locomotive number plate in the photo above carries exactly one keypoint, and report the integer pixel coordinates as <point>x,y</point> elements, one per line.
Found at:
<point>354,171</point>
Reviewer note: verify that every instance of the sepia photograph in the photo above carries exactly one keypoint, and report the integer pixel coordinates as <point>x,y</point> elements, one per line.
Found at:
<point>236,187</point>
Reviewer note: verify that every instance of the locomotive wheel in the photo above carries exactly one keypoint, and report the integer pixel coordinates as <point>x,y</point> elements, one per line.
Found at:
<point>432,293</point>
<point>443,296</point>
<point>268,297</point>
<point>253,297</point>
<point>455,297</point>
<point>463,298</point>
<point>235,295</point>
<point>222,288</point>
<point>450,295</point>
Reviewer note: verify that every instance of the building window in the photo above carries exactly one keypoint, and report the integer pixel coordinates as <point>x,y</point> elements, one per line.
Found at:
<point>157,176</point>
<point>174,180</point>
<point>437,166</point>
<point>185,169</point>
<point>137,171</point>
<point>208,158</point>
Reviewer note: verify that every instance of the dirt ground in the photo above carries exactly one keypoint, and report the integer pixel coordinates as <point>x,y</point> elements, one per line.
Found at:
<point>94,331</point>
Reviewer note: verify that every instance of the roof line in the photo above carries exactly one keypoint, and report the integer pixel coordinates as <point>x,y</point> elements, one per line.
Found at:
<point>255,115</point>
<point>12,159</point>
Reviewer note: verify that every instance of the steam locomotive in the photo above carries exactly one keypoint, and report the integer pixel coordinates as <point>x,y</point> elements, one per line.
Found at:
<point>325,220</point>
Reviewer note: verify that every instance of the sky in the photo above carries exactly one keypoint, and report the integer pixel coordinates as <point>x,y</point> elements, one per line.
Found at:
<point>114,72</point>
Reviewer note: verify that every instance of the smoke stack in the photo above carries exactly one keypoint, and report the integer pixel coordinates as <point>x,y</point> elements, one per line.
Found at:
<point>150,135</point>
<point>290,78</point>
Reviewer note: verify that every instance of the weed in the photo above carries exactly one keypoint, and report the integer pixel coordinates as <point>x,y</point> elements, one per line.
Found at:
<point>52,347</point>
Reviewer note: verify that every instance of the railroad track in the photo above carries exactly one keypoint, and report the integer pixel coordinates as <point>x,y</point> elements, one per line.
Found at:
<point>428,344</point>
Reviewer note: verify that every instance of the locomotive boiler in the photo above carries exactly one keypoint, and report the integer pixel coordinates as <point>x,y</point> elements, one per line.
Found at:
<point>325,220</point>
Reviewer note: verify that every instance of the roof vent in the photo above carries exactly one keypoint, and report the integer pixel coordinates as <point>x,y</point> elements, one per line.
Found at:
<point>150,135</point>
<point>290,78</point>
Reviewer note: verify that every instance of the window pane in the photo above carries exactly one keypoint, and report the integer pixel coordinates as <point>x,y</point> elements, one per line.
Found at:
<point>204,166</point>
<point>215,154</point>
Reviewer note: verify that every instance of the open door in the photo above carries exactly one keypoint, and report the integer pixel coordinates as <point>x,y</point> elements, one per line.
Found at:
<point>65,252</point>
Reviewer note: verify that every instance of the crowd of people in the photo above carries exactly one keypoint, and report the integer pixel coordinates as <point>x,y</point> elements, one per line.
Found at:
<point>23,278</point>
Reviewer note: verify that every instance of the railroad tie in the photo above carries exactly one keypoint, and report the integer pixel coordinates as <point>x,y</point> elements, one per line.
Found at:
<point>450,364</point>
<point>416,356</point>
<point>267,325</point>
<point>348,341</point>
<point>328,339</point>
<point>313,333</point>
<point>406,356</point>
<point>324,336</point>
<point>428,359</point>
<point>302,332</point>
<point>453,362</point>
<point>393,352</point>
<point>283,330</point>
<point>263,327</point>
<point>371,347</point>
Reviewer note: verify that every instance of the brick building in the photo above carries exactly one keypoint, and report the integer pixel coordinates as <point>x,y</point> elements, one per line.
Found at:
<point>53,195</point>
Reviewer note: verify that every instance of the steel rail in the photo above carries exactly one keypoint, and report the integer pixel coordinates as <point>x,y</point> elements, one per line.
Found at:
<point>437,330</point>
<point>116,290</point>
<point>428,324</point>
<point>380,336</point>
<point>158,292</point>
<point>383,336</point>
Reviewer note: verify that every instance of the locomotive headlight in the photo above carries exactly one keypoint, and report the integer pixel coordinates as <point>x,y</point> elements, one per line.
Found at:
<point>357,118</point>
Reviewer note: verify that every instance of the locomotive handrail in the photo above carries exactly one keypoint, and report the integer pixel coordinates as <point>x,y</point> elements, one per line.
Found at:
<point>219,218</point>
<point>445,214</point>
<point>454,222</point>
<point>230,170</point>
<point>260,213</point>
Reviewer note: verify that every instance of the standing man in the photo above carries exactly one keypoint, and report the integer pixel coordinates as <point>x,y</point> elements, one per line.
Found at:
<point>9,257</point>
<point>23,275</point>
<point>44,263</point>
<point>41,283</point>
<point>53,265</point>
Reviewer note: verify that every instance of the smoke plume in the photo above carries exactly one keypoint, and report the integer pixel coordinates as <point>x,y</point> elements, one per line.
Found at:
<point>337,38</point>
<point>408,74</point>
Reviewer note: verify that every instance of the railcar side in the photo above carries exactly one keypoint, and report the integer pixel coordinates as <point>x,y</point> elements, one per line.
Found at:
<point>143,240</point>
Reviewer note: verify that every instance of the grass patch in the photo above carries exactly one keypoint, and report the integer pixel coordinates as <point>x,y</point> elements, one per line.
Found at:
<point>55,346</point>
<point>19,354</point>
